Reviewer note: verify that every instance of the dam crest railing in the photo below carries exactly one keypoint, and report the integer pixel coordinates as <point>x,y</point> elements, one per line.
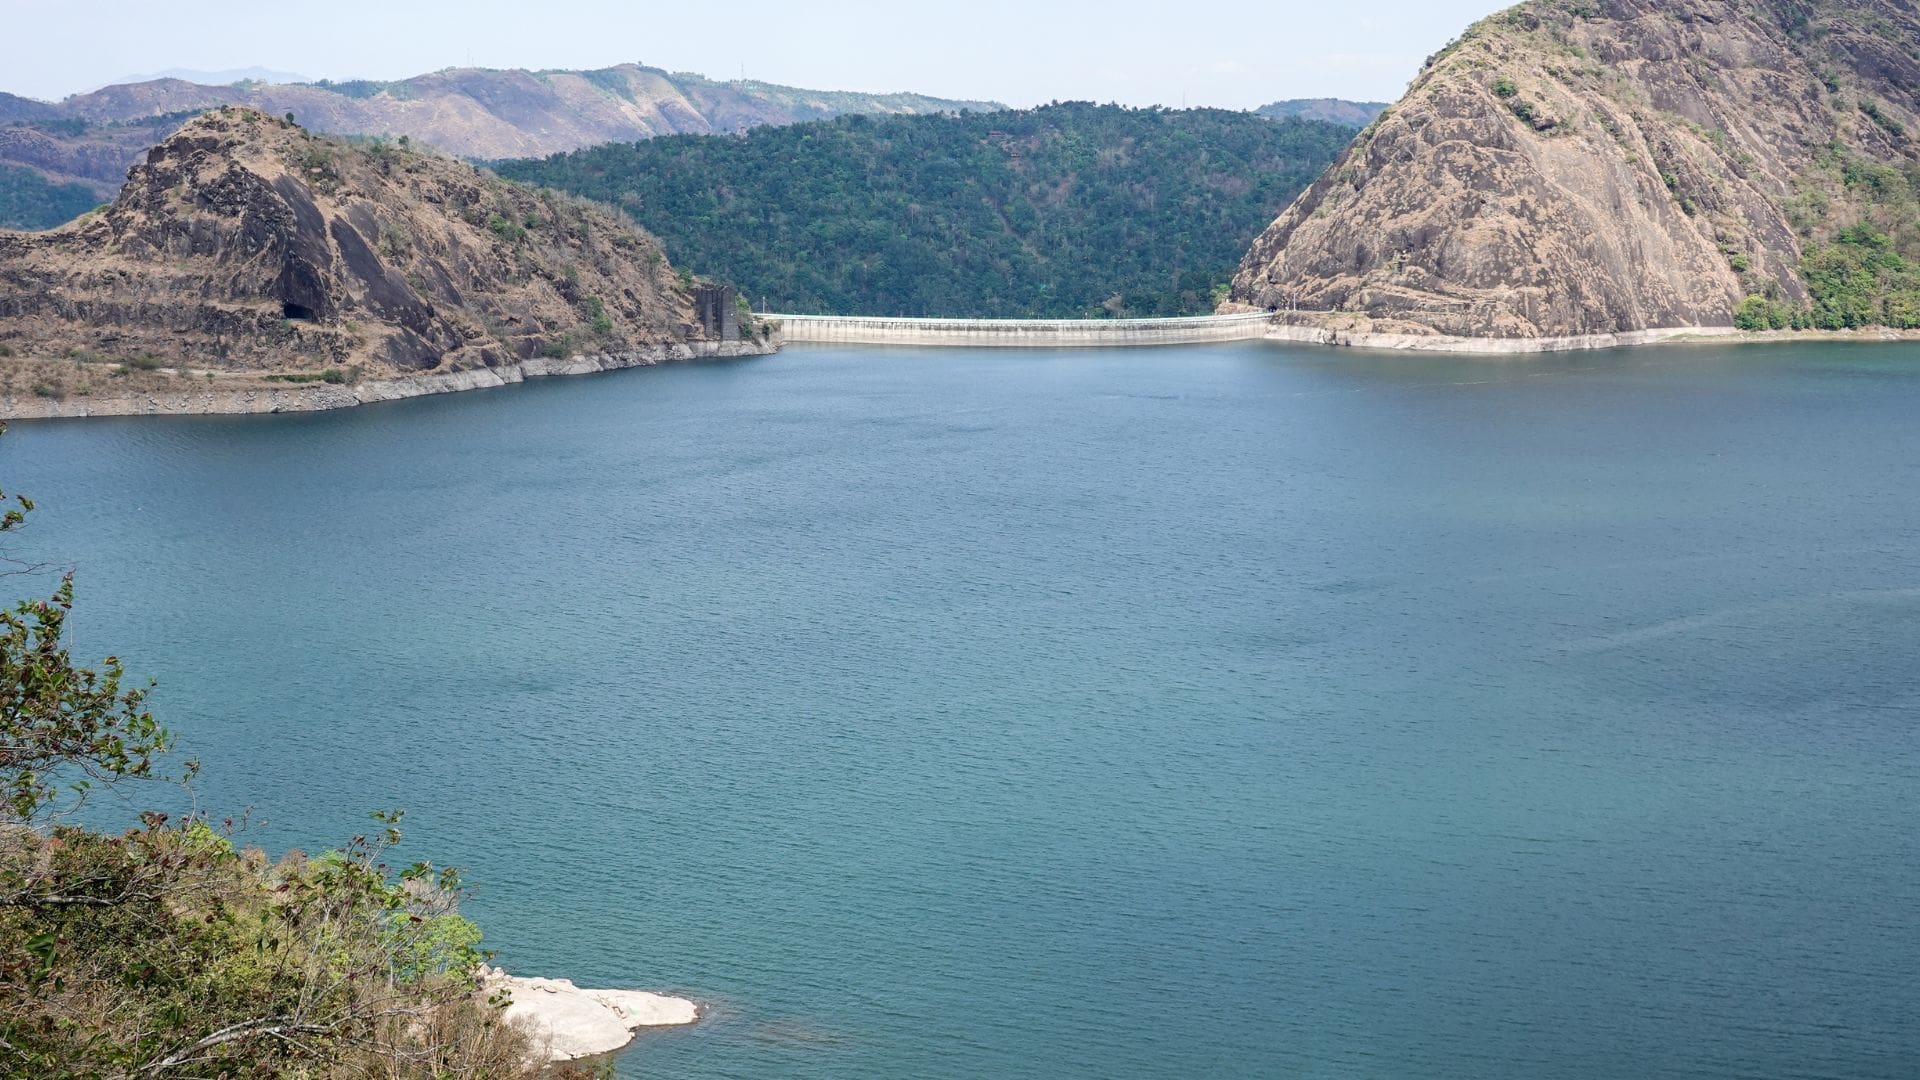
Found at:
<point>1017,333</point>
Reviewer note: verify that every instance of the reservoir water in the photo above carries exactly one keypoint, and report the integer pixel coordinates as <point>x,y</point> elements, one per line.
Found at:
<point>1222,711</point>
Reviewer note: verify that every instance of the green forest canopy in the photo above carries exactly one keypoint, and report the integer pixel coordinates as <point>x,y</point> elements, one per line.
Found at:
<point>1062,211</point>
<point>30,201</point>
<point>1862,269</point>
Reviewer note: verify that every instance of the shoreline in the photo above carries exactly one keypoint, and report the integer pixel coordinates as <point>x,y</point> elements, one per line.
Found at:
<point>212,399</point>
<point>1679,335</point>
<point>1456,345</point>
<point>1252,326</point>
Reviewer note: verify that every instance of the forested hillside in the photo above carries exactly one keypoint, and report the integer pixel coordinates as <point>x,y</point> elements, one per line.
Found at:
<point>30,201</point>
<point>1333,110</point>
<point>1068,210</point>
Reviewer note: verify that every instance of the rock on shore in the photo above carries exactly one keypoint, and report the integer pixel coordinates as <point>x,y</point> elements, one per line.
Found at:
<point>577,1023</point>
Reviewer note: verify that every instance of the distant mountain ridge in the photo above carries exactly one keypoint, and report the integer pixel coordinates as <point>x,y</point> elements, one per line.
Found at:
<point>213,78</point>
<point>489,113</point>
<point>1331,110</point>
<point>479,113</point>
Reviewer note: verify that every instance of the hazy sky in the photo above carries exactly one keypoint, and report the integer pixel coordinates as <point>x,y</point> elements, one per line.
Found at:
<point>1021,53</point>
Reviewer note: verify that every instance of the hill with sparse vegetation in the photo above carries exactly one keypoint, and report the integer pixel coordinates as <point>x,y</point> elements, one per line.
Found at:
<point>246,252</point>
<point>92,139</point>
<point>1579,167</point>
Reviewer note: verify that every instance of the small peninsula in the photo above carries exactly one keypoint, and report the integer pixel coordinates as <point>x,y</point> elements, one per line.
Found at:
<point>252,266</point>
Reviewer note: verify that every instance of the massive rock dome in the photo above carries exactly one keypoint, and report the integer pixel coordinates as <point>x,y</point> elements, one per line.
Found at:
<point>1609,166</point>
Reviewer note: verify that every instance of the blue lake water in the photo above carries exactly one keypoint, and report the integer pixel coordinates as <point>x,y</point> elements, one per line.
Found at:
<point>1226,711</point>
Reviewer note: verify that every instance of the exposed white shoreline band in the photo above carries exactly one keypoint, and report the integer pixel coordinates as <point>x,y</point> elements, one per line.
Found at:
<point>211,399</point>
<point>1316,335</point>
<point>1243,326</point>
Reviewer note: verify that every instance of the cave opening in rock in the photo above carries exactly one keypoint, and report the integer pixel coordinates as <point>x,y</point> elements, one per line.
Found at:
<point>296,311</point>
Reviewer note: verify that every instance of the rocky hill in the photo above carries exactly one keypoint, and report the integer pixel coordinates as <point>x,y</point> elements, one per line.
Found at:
<point>245,248</point>
<point>475,113</point>
<point>1607,166</point>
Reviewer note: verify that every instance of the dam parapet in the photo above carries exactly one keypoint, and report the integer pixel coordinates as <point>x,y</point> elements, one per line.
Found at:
<point>1018,333</point>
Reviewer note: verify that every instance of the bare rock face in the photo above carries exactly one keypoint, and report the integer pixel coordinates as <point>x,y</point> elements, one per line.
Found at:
<point>245,244</point>
<point>1600,167</point>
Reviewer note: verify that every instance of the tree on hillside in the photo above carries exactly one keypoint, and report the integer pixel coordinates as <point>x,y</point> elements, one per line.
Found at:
<point>57,717</point>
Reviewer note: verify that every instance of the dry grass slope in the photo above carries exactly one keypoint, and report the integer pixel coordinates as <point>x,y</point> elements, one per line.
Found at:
<point>246,248</point>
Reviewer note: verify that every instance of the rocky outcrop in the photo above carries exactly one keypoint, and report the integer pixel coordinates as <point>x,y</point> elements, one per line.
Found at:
<point>571,1023</point>
<point>245,246</point>
<point>1601,168</point>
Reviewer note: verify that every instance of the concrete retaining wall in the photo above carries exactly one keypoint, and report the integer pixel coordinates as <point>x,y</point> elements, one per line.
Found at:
<point>1019,333</point>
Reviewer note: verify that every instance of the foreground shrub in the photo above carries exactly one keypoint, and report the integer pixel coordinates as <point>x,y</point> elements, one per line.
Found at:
<point>166,951</point>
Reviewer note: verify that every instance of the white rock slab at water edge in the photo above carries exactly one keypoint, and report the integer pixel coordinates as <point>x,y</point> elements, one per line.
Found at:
<point>576,1023</point>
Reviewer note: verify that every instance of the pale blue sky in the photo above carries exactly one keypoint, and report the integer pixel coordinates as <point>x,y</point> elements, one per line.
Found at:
<point>1022,53</point>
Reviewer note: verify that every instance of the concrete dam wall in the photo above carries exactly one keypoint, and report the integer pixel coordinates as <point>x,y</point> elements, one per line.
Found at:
<point>1019,333</point>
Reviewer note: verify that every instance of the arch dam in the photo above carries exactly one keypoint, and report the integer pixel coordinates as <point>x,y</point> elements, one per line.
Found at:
<point>1018,333</point>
